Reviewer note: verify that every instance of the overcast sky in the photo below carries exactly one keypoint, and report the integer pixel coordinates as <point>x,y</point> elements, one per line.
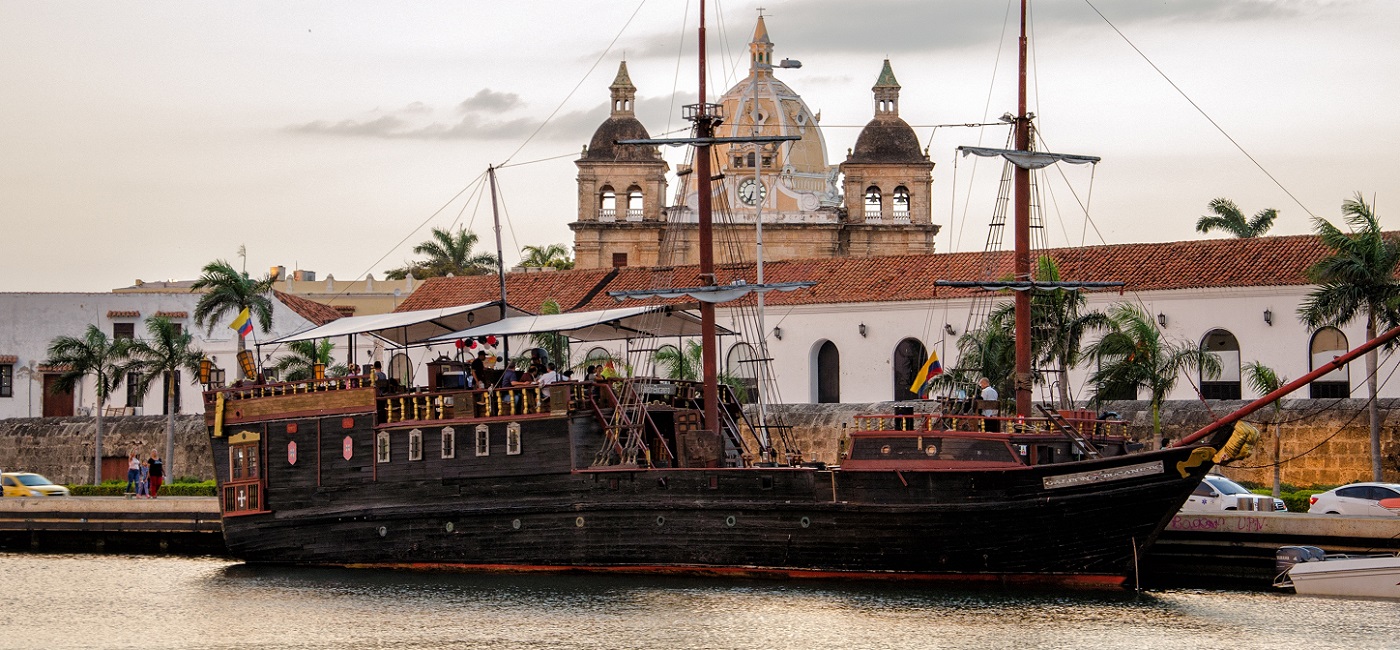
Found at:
<point>144,139</point>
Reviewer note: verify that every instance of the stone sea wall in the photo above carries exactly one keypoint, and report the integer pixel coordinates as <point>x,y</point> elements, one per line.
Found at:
<point>61,448</point>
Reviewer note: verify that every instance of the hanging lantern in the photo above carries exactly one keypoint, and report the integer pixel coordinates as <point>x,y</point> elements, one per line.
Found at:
<point>248,362</point>
<point>318,371</point>
<point>205,367</point>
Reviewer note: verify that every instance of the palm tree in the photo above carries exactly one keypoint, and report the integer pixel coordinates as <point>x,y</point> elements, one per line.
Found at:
<point>1134,355</point>
<point>449,253</point>
<point>556,346</point>
<point>989,351</point>
<point>1057,326</point>
<point>227,293</point>
<point>675,364</point>
<point>554,256</point>
<point>92,354</point>
<point>1264,380</point>
<point>164,355</point>
<point>1357,279</point>
<point>1228,218</point>
<point>299,364</point>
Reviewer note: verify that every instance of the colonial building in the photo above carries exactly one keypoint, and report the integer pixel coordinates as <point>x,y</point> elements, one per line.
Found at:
<point>807,209</point>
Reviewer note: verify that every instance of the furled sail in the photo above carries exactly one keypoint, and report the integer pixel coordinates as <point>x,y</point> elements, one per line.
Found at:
<point>712,293</point>
<point>1030,159</point>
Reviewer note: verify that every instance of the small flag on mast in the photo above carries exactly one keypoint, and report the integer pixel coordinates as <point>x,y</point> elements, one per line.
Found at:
<point>243,324</point>
<point>932,368</point>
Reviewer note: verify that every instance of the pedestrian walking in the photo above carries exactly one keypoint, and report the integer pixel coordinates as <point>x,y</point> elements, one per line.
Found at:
<point>143,482</point>
<point>157,470</point>
<point>133,472</point>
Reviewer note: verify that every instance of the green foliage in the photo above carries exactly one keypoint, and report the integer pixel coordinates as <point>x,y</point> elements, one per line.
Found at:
<point>228,292</point>
<point>297,364</point>
<point>1228,218</point>
<point>1134,355</point>
<point>168,350</point>
<point>556,346</point>
<point>118,488</point>
<point>554,256</point>
<point>449,253</point>
<point>989,351</point>
<point>91,354</point>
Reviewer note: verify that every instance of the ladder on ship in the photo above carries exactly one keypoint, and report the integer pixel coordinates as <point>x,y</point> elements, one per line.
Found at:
<point>1080,442</point>
<point>624,430</point>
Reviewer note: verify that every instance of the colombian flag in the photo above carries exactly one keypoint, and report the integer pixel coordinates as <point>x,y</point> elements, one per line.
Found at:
<point>932,368</point>
<point>244,323</point>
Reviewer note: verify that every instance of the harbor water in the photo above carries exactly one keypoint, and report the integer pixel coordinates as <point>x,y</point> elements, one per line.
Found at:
<point>147,602</point>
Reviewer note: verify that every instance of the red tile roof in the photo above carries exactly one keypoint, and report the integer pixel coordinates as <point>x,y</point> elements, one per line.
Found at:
<point>123,313</point>
<point>9,359</point>
<point>315,312</point>
<point>173,314</point>
<point>1258,262</point>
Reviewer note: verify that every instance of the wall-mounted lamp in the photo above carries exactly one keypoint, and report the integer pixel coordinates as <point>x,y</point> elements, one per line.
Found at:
<point>778,333</point>
<point>1269,317</point>
<point>862,330</point>
<point>1162,320</point>
<point>949,329</point>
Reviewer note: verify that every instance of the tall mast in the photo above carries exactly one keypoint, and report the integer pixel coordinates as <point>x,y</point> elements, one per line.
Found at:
<point>704,129</point>
<point>763,442</point>
<point>1022,254</point>
<point>500,258</point>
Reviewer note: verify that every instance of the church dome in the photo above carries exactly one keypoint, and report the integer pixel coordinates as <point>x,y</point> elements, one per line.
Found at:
<point>887,139</point>
<point>603,146</point>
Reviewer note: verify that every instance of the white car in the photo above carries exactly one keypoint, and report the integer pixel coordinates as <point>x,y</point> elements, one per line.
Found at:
<point>1217,493</point>
<point>1355,499</point>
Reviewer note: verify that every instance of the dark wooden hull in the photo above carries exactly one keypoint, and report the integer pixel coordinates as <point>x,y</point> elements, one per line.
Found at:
<point>535,510</point>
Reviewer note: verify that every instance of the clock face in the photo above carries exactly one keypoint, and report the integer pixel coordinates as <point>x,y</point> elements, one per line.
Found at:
<point>751,192</point>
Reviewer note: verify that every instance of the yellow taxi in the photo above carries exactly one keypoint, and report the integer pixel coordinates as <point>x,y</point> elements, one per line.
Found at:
<point>26,484</point>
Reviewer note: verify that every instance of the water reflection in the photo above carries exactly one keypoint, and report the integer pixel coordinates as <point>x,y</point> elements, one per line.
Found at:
<point>152,602</point>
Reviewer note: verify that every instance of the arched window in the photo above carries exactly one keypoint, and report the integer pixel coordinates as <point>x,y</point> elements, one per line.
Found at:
<point>901,204</point>
<point>1327,344</point>
<point>665,359</point>
<point>607,207</point>
<point>742,372</point>
<point>872,203</point>
<point>828,373</point>
<point>909,357</point>
<point>401,368</point>
<point>1222,344</point>
<point>634,203</point>
<point>597,356</point>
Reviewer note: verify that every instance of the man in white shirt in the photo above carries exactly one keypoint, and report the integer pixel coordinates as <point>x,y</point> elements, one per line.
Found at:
<point>549,378</point>
<point>989,394</point>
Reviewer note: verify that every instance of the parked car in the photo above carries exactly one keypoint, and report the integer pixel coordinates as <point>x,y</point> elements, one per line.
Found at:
<point>25,484</point>
<point>1355,499</point>
<point>1217,493</point>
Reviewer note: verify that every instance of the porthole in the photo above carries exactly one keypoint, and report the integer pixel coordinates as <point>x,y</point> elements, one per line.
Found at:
<point>515,523</point>
<point>885,450</point>
<point>578,522</point>
<point>448,526</point>
<point>806,522</point>
<point>729,521</point>
<point>931,450</point>
<point>660,520</point>
<point>383,531</point>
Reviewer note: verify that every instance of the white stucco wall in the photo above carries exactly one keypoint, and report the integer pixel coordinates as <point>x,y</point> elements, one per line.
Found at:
<point>29,321</point>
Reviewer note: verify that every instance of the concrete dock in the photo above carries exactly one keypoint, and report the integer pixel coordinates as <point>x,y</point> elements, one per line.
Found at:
<point>112,524</point>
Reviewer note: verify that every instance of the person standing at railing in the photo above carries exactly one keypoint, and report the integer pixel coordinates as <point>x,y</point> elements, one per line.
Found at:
<point>989,410</point>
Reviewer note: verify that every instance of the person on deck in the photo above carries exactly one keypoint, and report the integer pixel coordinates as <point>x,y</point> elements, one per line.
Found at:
<point>157,473</point>
<point>989,394</point>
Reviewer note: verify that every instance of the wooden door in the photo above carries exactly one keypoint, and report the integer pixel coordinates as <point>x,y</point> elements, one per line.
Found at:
<point>56,405</point>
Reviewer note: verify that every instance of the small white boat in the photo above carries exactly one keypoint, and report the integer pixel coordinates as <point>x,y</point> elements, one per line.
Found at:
<point>1310,573</point>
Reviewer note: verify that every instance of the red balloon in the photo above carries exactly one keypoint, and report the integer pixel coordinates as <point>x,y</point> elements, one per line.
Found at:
<point>461,344</point>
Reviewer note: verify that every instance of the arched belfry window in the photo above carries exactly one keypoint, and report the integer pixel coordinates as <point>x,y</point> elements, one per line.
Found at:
<point>828,373</point>
<point>872,203</point>
<point>1327,344</point>
<point>1226,347</point>
<point>909,357</point>
<point>634,203</point>
<point>900,204</point>
<point>607,205</point>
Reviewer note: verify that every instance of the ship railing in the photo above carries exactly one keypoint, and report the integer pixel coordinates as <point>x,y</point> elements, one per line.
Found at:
<point>1083,421</point>
<point>254,391</point>
<point>488,403</point>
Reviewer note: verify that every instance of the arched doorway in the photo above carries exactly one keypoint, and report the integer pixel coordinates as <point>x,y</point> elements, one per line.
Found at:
<point>1327,344</point>
<point>743,372</point>
<point>828,366</point>
<point>909,356</point>
<point>1224,345</point>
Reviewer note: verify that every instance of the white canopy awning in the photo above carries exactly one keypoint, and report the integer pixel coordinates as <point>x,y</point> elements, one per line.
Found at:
<point>603,325</point>
<point>408,327</point>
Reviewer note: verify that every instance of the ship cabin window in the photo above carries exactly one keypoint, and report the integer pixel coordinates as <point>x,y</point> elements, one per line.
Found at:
<point>513,439</point>
<point>483,440</point>
<point>381,447</point>
<point>243,462</point>
<point>415,445</point>
<point>872,202</point>
<point>1225,347</point>
<point>1328,343</point>
<point>449,442</point>
<point>242,498</point>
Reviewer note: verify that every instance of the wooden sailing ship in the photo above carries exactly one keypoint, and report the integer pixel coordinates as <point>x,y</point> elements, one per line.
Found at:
<point>654,475</point>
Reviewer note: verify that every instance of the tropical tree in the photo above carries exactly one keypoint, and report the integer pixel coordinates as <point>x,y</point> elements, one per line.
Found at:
<point>449,253</point>
<point>1133,355</point>
<point>1058,325</point>
<point>1356,279</point>
<point>687,366</point>
<point>554,256</point>
<point>1265,380</point>
<point>1228,218</point>
<point>227,293</point>
<point>163,355</point>
<point>91,354</point>
<point>298,364</point>
<point>988,351</point>
<point>556,346</point>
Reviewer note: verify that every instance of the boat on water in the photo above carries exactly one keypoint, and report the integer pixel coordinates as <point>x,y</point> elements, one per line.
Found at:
<point>1310,572</point>
<point>656,475</point>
